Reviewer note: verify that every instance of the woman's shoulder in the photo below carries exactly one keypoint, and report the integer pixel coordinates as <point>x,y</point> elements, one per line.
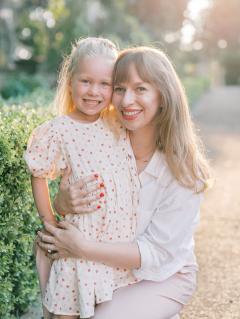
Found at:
<point>170,185</point>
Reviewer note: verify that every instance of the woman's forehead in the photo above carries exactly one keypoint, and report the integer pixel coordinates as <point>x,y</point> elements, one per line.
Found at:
<point>128,71</point>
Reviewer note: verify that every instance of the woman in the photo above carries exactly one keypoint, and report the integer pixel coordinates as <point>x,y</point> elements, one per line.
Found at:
<point>173,175</point>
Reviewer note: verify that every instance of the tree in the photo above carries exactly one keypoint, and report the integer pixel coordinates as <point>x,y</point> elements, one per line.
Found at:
<point>220,35</point>
<point>45,28</point>
<point>160,15</point>
<point>221,22</point>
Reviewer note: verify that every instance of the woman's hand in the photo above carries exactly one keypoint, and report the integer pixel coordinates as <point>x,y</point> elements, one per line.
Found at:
<point>82,197</point>
<point>62,241</point>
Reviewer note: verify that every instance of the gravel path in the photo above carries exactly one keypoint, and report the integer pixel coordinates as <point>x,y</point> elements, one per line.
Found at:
<point>218,237</point>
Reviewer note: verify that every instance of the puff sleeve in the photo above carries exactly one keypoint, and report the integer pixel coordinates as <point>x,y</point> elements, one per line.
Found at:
<point>45,156</point>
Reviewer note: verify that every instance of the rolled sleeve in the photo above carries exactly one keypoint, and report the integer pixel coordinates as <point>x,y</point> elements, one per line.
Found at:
<point>167,243</point>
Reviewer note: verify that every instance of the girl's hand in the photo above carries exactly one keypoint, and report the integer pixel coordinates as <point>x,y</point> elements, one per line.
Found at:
<point>82,197</point>
<point>62,241</point>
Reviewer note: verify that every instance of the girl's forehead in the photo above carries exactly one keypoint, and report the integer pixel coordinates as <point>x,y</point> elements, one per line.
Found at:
<point>87,61</point>
<point>95,64</point>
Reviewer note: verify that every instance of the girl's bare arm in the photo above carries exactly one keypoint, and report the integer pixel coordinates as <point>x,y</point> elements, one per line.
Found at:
<point>42,199</point>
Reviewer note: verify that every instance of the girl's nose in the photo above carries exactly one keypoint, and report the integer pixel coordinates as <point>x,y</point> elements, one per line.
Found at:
<point>93,89</point>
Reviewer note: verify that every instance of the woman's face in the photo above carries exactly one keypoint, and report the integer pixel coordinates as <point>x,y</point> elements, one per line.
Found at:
<point>137,101</point>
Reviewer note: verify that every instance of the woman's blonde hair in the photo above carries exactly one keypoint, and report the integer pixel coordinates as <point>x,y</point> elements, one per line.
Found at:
<point>176,136</point>
<point>87,47</point>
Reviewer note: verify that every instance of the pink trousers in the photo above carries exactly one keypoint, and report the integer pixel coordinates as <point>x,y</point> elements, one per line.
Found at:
<point>150,300</point>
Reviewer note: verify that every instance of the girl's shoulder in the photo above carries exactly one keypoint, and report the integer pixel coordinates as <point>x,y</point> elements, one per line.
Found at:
<point>55,123</point>
<point>50,128</point>
<point>58,121</point>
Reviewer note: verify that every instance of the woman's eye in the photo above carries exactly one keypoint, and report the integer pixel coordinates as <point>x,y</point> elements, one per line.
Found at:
<point>119,89</point>
<point>141,89</point>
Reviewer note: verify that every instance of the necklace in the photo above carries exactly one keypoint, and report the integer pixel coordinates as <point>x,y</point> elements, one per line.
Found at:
<point>146,158</point>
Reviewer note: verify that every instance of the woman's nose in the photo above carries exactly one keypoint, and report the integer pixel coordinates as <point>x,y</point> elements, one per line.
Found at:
<point>128,98</point>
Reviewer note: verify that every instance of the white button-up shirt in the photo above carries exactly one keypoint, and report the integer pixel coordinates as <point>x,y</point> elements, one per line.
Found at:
<point>167,217</point>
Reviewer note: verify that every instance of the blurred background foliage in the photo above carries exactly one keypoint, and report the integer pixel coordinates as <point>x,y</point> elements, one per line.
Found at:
<point>35,34</point>
<point>202,37</point>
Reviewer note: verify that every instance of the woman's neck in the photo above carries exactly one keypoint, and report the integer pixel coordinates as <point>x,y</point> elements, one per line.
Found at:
<point>143,143</point>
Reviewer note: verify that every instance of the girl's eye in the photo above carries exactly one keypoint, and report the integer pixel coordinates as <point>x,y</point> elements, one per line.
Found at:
<point>106,84</point>
<point>119,89</point>
<point>85,81</point>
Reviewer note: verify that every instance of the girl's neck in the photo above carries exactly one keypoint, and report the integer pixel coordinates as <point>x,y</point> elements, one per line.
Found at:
<point>83,118</point>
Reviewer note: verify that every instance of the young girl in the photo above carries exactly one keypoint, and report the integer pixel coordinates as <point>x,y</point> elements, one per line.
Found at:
<point>82,140</point>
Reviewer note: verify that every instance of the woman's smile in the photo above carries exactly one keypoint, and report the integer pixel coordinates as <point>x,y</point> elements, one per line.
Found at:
<point>130,115</point>
<point>137,101</point>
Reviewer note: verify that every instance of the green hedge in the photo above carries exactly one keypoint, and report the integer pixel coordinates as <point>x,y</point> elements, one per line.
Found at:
<point>18,218</point>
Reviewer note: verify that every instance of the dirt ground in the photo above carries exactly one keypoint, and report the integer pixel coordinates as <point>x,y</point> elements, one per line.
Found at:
<point>218,237</point>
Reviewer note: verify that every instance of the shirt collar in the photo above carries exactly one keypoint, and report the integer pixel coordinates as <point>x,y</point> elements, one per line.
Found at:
<point>156,166</point>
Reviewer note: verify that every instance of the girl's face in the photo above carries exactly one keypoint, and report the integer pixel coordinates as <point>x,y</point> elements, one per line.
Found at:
<point>137,101</point>
<point>91,87</point>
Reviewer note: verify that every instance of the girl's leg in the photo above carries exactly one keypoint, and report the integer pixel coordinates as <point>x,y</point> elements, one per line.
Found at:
<point>43,264</point>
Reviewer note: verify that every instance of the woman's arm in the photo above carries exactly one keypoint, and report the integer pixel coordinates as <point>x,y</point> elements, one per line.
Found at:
<point>42,199</point>
<point>163,247</point>
<point>69,242</point>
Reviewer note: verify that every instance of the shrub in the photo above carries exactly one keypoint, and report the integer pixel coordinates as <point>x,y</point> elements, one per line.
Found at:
<point>35,99</point>
<point>18,218</point>
<point>20,84</point>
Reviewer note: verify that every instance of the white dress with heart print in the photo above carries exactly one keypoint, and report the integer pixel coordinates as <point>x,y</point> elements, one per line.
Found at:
<point>76,285</point>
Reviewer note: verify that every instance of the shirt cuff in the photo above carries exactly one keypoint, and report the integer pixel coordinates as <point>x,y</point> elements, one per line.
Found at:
<point>145,255</point>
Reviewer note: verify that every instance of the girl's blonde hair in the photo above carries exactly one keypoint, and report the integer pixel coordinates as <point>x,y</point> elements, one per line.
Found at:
<point>176,136</point>
<point>83,48</point>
